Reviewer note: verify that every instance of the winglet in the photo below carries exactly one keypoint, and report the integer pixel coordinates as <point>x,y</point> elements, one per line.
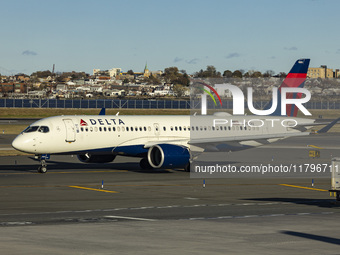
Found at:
<point>102,111</point>
<point>328,127</point>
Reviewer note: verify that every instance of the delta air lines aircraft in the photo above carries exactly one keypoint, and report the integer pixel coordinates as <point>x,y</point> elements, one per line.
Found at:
<point>160,141</point>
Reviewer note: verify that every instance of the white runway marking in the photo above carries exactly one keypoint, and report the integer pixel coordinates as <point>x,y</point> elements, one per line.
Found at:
<point>128,218</point>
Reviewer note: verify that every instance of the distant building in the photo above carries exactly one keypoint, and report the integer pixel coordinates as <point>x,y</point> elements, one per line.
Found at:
<point>13,87</point>
<point>146,73</point>
<point>113,72</point>
<point>320,72</point>
<point>95,71</point>
<point>222,91</point>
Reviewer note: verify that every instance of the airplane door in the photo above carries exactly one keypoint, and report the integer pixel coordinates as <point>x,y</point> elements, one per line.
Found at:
<point>156,128</point>
<point>70,130</point>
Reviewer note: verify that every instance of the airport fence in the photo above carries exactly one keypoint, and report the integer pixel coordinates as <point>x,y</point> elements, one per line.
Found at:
<point>141,104</point>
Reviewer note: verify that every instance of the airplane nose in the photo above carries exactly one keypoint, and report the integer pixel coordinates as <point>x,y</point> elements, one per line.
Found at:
<point>15,143</point>
<point>18,143</point>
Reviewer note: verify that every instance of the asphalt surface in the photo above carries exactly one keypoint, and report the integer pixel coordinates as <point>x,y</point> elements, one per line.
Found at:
<point>68,211</point>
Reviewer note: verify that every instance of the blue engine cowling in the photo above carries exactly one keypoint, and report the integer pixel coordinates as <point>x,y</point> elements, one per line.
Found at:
<point>168,155</point>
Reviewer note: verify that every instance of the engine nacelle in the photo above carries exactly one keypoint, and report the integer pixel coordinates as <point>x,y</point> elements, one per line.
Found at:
<point>88,158</point>
<point>168,155</point>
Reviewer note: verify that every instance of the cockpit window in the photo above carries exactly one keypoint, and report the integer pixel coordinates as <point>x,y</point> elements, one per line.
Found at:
<point>31,129</point>
<point>44,129</point>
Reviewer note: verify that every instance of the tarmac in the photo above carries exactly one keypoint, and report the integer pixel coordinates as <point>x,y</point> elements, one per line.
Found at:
<point>116,208</point>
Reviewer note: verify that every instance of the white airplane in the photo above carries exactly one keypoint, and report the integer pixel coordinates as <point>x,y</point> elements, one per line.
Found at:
<point>161,141</point>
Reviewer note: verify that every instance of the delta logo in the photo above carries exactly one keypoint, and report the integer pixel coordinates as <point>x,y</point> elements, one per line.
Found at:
<point>83,123</point>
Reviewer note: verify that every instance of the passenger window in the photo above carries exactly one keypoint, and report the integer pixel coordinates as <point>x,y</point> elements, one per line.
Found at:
<point>127,128</point>
<point>113,129</point>
<point>164,128</point>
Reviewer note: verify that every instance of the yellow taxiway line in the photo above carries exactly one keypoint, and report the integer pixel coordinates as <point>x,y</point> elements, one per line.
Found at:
<point>302,187</point>
<point>316,147</point>
<point>101,190</point>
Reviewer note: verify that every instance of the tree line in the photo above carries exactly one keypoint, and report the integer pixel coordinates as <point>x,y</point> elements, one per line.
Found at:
<point>171,75</point>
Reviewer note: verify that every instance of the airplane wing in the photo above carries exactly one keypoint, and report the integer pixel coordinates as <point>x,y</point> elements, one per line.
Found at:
<point>231,143</point>
<point>245,138</point>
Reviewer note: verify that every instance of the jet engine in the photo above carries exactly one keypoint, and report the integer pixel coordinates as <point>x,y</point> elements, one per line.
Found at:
<point>88,158</point>
<point>168,155</point>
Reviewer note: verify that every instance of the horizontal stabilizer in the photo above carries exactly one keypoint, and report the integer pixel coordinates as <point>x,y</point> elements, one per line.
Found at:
<point>328,127</point>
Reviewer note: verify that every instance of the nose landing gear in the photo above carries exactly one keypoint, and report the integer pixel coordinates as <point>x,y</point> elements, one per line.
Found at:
<point>42,158</point>
<point>43,168</point>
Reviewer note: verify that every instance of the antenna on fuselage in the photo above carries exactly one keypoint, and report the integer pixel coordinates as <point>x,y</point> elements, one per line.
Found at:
<point>117,113</point>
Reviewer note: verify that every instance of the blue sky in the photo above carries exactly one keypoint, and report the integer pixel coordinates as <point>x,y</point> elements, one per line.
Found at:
<point>79,35</point>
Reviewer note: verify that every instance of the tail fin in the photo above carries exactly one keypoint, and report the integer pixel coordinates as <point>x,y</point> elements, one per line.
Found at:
<point>102,111</point>
<point>295,78</point>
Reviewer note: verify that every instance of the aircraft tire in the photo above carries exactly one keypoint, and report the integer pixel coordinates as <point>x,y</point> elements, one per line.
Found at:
<point>42,169</point>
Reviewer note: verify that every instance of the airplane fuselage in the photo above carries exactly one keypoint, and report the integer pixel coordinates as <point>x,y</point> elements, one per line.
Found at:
<point>132,135</point>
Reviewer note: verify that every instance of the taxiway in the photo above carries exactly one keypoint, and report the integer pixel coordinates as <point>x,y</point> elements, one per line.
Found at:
<point>67,210</point>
